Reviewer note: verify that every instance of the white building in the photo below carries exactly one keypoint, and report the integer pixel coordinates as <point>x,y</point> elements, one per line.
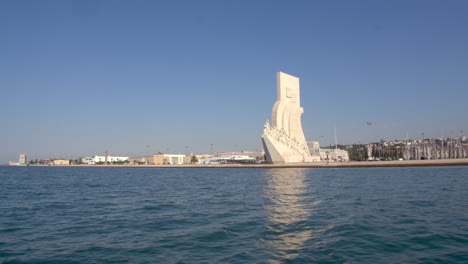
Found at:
<point>172,159</point>
<point>327,154</point>
<point>97,159</point>
<point>227,159</point>
<point>22,159</point>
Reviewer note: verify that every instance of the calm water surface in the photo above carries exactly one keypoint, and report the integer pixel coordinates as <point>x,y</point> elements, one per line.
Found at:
<point>118,215</point>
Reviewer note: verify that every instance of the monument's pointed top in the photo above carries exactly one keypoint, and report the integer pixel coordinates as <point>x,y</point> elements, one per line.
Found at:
<point>286,74</point>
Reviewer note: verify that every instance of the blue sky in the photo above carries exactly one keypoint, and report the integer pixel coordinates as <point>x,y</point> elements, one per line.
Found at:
<point>81,77</point>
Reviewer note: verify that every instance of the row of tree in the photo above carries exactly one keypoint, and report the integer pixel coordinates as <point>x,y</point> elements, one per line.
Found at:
<point>44,162</point>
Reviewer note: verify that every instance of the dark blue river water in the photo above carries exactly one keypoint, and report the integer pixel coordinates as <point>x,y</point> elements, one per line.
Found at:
<point>118,215</point>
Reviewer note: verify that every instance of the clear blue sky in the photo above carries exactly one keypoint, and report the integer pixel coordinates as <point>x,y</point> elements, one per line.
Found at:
<point>81,77</point>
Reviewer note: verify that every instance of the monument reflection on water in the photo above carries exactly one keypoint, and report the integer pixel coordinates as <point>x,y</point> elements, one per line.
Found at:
<point>289,209</point>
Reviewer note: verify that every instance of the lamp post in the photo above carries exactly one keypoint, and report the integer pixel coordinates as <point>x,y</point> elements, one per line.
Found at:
<point>422,146</point>
<point>378,150</point>
<point>147,154</point>
<point>461,155</point>
<point>359,150</point>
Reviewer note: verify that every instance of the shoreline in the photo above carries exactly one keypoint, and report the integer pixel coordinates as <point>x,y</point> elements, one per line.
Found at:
<point>351,164</point>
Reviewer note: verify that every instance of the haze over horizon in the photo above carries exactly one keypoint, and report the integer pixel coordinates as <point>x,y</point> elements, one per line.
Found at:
<point>82,77</point>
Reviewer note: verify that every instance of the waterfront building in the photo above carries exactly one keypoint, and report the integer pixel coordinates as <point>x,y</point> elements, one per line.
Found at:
<point>159,160</point>
<point>188,159</point>
<point>209,160</point>
<point>327,154</point>
<point>369,149</point>
<point>228,159</point>
<point>417,149</point>
<point>168,159</point>
<point>146,160</point>
<point>61,162</point>
<point>101,159</point>
<point>257,155</point>
<point>22,159</point>
<point>134,161</point>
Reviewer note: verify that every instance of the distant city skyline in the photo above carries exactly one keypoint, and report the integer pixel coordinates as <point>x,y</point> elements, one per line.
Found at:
<point>79,78</point>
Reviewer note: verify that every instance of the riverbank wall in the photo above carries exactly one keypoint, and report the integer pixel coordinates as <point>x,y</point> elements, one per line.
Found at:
<point>351,164</point>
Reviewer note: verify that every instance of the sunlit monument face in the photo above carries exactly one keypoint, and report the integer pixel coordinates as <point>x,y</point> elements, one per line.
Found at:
<point>284,139</point>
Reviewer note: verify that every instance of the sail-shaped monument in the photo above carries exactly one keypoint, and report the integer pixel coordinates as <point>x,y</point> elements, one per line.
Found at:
<point>283,139</point>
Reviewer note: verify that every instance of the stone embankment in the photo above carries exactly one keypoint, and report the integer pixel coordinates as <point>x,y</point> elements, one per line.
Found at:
<point>352,164</point>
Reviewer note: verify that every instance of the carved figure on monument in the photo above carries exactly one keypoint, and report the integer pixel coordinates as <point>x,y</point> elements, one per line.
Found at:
<point>284,140</point>
<point>267,124</point>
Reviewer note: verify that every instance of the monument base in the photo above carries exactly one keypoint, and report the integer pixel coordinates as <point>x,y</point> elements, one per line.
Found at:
<point>279,149</point>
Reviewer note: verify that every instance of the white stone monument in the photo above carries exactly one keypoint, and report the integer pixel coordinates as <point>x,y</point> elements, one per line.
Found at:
<point>284,140</point>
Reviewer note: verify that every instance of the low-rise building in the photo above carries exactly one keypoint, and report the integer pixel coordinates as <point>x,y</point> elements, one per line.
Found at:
<point>327,154</point>
<point>61,162</point>
<point>166,159</point>
<point>146,160</point>
<point>160,160</point>
<point>228,159</point>
<point>101,159</point>
<point>188,159</point>
<point>134,161</point>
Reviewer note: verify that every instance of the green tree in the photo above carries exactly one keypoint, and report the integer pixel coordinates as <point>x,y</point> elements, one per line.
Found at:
<point>194,159</point>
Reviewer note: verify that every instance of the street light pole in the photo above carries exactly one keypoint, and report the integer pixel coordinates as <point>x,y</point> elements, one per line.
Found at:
<point>147,154</point>
<point>461,154</point>
<point>422,146</point>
